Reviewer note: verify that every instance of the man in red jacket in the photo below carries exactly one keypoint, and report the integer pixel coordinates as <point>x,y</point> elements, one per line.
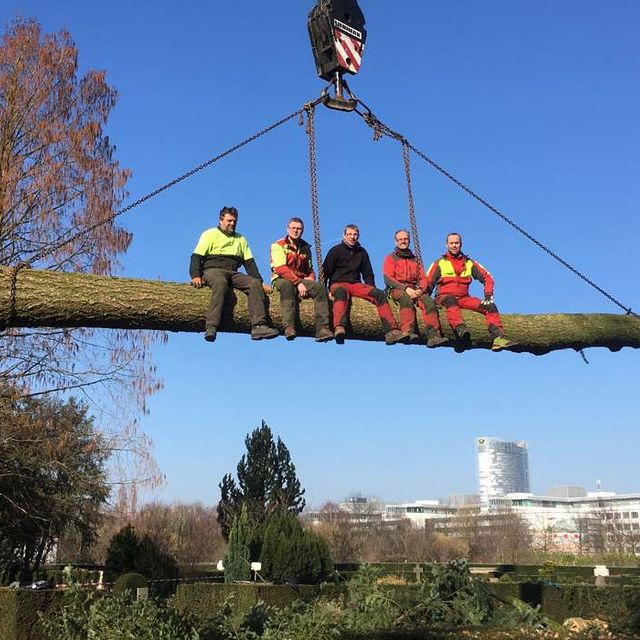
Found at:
<point>407,285</point>
<point>293,277</point>
<point>451,276</point>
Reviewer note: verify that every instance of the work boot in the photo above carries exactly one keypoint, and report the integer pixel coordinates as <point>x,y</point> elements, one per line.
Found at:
<point>435,340</point>
<point>210,334</point>
<point>502,342</point>
<point>263,332</point>
<point>395,336</point>
<point>290,333</point>
<point>414,338</point>
<point>339,334</point>
<point>324,334</point>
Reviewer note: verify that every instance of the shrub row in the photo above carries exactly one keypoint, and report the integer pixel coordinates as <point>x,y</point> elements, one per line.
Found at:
<point>19,609</point>
<point>619,605</point>
<point>616,604</point>
<point>518,573</point>
<point>201,599</point>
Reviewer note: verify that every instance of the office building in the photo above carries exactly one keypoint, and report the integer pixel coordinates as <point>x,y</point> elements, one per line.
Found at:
<point>503,467</point>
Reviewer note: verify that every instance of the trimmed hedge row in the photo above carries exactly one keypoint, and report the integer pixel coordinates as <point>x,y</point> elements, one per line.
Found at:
<point>618,605</point>
<point>564,574</point>
<point>19,609</point>
<point>202,599</point>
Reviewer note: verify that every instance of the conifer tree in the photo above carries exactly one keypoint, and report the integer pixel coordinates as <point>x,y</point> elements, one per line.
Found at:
<point>293,554</point>
<point>237,562</point>
<point>267,483</point>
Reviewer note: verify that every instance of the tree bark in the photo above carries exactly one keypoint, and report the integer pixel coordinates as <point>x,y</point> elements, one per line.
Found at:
<point>57,299</point>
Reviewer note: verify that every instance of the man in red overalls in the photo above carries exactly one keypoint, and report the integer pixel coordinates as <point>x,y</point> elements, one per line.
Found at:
<point>407,285</point>
<point>451,276</point>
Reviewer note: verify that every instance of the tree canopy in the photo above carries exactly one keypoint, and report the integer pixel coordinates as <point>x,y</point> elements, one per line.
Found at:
<point>266,482</point>
<point>59,176</point>
<point>52,478</point>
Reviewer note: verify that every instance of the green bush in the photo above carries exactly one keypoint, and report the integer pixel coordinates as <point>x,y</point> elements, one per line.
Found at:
<point>293,554</point>
<point>128,584</point>
<point>204,599</point>
<point>617,605</point>
<point>19,613</point>
<point>237,562</point>
<point>127,553</point>
<point>88,615</point>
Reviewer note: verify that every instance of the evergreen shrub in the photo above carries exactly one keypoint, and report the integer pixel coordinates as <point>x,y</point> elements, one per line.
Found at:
<point>203,599</point>
<point>292,554</point>
<point>19,613</point>
<point>128,553</point>
<point>128,584</point>
<point>237,562</point>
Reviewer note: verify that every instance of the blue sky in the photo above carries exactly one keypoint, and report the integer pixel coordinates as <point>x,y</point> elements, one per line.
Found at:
<point>533,105</point>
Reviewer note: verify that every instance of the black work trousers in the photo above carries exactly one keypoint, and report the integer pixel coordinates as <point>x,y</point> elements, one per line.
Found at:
<point>220,280</point>
<point>289,301</point>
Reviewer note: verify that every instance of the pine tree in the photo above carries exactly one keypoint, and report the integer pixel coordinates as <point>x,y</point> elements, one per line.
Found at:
<point>267,483</point>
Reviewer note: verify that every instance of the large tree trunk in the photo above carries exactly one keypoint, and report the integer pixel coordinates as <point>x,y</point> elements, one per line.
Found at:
<point>56,299</point>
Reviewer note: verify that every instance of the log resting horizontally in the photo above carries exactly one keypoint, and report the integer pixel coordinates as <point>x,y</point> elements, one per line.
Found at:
<point>57,299</point>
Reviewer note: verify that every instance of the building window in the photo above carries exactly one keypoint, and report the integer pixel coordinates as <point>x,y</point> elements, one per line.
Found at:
<point>634,514</point>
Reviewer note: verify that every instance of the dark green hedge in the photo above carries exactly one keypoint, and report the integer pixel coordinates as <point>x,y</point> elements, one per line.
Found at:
<point>619,605</point>
<point>19,613</point>
<point>203,599</point>
<point>563,574</point>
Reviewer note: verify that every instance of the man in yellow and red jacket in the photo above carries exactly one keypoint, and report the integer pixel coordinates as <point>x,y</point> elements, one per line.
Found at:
<point>451,276</point>
<point>407,285</point>
<point>293,277</point>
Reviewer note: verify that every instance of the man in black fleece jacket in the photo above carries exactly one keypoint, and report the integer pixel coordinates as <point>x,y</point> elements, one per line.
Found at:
<point>345,266</point>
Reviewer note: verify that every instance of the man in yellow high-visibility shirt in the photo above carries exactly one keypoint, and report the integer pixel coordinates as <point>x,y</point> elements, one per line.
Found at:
<point>215,261</point>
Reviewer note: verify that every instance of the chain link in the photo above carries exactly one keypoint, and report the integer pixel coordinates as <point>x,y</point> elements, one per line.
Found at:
<point>13,289</point>
<point>51,249</point>
<point>406,156</point>
<point>380,129</point>
<point>313,178</point>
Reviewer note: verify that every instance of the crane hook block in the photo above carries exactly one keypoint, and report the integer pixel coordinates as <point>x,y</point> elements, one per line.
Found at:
<point>337,33</point>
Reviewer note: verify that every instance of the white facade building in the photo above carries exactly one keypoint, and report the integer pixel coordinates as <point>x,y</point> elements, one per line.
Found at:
<point>418,512</point>
<point>503,467</point>
<point>557,523</point>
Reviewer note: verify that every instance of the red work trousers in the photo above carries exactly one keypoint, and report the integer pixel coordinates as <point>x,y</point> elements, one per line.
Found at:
<point>408,312</point>
<point>343,291</point>
<point>453,304</point>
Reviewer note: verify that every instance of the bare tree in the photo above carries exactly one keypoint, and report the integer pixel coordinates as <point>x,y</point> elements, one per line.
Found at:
<point>345,540</point>
<point>188,532</point>
<point>58,177</point>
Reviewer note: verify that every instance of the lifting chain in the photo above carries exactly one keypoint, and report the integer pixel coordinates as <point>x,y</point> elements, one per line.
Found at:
<point>380,129</point>
<point>13,289</point>
<point>54,247</point>
<point>310,109</point>
<point>412,214</point>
